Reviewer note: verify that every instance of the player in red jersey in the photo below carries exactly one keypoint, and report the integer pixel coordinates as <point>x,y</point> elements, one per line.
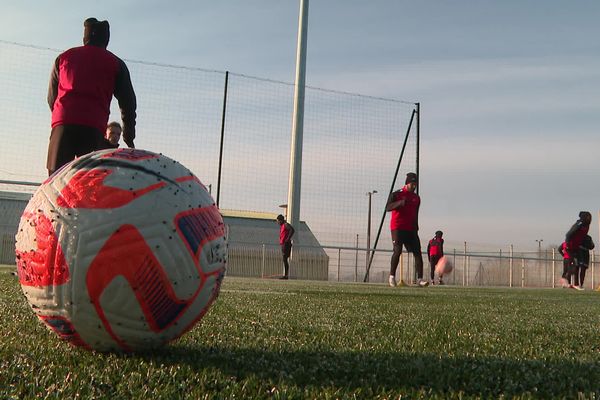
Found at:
<point>286,231</point>
<point>573,241</point>
<point>82,84</point>
<point>435,251</point>
<point>404,206</point>
<point>567,262</point>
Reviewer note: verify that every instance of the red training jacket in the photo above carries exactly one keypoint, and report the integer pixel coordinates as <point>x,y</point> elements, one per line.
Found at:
<point>405,218</point>
<point>82,84</point>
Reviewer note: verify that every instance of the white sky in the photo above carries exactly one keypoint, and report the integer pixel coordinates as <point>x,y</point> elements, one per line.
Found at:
<point>509,90</point>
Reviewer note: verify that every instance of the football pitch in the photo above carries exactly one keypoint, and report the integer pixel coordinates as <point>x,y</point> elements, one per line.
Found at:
<point>275,339</point>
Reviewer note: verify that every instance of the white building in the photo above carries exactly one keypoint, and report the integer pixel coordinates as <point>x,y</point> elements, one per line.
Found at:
<point>253,242</point>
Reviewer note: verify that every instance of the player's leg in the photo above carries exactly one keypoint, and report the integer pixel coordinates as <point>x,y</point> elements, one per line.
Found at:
<point>61,149</point>
<point>576,271</point>
<point>286,267</point>
<point>419,268</point>
<point>395,260</point>
<point>286,250</point>
<point>70,141</point>
<point>432,263</point>
<point>88,139</point>
<point>565,278</point>
<point>413,245</point>
<point>582,270</point>
<point>571,272</point>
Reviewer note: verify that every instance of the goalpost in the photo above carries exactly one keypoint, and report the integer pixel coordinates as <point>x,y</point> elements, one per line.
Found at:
<point>415,112</point>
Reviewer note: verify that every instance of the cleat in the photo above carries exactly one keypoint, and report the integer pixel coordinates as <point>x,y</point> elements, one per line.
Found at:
<point>423,283</point>
<point>392,281</point>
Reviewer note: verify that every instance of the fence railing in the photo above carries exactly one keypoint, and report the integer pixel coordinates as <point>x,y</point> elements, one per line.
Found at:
<point>348,264</point>
<point>470,268</point>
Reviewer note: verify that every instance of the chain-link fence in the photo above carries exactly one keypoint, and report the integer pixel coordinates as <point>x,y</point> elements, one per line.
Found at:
<point>351,142</point>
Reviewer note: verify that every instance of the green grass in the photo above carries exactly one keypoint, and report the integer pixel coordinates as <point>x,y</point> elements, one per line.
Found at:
<point>298,339</point>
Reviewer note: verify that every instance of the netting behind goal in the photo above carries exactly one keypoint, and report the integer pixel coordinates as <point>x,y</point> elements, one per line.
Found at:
<point>351,142</point>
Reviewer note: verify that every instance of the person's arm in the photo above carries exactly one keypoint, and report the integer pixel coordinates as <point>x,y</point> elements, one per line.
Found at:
<point>441,247</point>
<point>53,84</point>
<point>588,243</point>
<point>391,204</point>
<point>292,231</point>
<point>572,232</point>
<point>428,248</point>
<point>125,95</point>
<point>560,250</point>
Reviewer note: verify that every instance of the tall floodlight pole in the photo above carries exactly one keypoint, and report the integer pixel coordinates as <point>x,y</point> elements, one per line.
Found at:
<point>298,119</point>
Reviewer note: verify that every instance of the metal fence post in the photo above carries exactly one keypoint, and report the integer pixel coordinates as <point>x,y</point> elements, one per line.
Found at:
<point>454,271</point>
<point>546,267</point>
<point>468,270</point>
<point>522,272</point>
<point>339,262</point>
<point>262,266</point>
<point>510,267</point>
<point>500,260</point>
<point>356,261</point>
<point>553,267</point>
<point>593,260</point>
<point>464,264</point>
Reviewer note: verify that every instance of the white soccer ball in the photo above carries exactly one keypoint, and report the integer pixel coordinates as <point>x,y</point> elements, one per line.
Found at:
<point>121,250</point>
<point>444,266</point>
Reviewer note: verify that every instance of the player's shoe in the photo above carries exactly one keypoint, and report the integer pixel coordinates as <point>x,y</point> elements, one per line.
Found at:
<point>440,282</point>
<point>392,281</point>
<point>578,288</point>
<point>423,283</point>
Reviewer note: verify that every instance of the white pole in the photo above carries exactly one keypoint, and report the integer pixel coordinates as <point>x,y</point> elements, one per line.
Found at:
<point>298,119</point>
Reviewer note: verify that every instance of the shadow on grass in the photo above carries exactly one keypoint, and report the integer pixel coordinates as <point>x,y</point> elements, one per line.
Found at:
<point>389,372</point>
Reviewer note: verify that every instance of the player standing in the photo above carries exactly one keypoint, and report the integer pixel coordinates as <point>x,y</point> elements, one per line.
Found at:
<point>404,205</point>
<point>435,251</point>
<point>82,83</point>
<point>286,231</point>
<point>571,248</point>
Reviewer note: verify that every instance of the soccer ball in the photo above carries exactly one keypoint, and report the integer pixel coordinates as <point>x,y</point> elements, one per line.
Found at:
<point>444,266</point>
<point>121,250</point>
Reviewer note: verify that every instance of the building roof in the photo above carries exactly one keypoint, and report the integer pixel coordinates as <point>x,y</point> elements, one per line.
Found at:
<point>20,196</point>
<point>245,227</point>
<point>258,231</point>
